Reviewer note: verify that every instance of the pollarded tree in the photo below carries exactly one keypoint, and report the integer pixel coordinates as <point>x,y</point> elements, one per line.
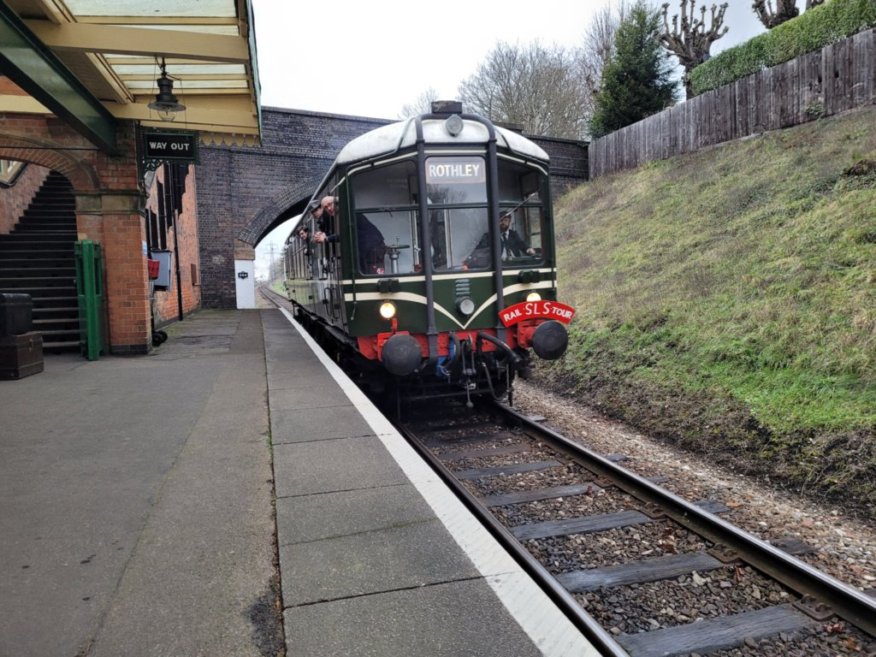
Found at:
<point>637,82</point>
<point>532,86</point>
<point>689,40</point>
<point>785,10</point>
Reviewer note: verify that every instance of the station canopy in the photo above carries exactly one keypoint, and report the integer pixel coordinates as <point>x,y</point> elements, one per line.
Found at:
<point>96,61</point>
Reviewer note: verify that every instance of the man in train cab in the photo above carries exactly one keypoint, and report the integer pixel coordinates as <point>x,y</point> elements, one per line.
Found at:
<point>316,211</point>
<point>513,245</point>
<point>371,247</point>
<point>324,214</point>
<point>329,203</point>
<point>303,234</point>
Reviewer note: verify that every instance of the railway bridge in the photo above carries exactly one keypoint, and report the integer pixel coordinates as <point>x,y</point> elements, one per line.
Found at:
<point>245,190</point>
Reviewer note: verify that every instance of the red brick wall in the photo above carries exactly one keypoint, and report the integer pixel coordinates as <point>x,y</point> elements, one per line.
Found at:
<point>189,245</point>
<point>126,283</point>
<point>183,237</point>
<point>14,200</point>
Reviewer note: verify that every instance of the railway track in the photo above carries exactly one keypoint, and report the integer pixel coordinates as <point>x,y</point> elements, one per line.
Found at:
<point>641,571</point>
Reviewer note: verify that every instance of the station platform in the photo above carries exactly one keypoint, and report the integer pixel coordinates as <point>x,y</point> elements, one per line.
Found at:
<point>233,493</point>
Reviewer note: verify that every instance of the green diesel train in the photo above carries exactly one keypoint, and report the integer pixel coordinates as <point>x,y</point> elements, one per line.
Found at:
<point>425,260</point>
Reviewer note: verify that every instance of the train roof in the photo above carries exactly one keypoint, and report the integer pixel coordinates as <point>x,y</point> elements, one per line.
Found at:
<point>395,136</point>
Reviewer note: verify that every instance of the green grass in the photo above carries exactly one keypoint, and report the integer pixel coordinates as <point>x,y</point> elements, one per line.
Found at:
<point>743,276</point>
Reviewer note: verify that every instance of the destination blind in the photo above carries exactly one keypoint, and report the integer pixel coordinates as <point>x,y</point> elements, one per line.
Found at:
<point>455,170</point>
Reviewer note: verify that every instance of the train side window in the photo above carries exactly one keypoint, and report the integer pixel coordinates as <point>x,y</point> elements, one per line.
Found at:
<point>521,192</point>
<point>381,187</point>
<point>384,198</point>
<point>518,183</point>
<point>468,239</point>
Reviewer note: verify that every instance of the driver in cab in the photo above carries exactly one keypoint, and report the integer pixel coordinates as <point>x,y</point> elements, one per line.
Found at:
<point>513,245</point>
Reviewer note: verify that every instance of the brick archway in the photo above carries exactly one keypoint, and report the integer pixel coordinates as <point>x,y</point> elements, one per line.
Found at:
<point>81,174</point>
<point>108,206</point>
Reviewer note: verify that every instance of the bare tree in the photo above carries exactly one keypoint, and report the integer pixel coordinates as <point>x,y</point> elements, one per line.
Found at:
<point>689,40</point>
<point>533,86</point>
<point>598,48</point>
<point>422,104</point>
<point>785,10</point>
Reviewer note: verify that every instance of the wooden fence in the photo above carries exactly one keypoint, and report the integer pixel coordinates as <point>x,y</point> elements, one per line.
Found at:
<point>840,77</point>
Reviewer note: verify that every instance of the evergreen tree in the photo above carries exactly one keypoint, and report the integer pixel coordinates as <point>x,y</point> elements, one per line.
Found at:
<point>636,82</point>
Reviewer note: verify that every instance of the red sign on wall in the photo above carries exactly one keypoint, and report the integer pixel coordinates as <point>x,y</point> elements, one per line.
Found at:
<point>536,310</point>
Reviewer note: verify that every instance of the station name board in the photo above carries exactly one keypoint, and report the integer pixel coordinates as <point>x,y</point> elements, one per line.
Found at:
<point>176,146</point>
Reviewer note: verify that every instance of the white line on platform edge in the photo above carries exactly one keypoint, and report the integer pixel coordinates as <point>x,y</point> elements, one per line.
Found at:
<point>548,628</point>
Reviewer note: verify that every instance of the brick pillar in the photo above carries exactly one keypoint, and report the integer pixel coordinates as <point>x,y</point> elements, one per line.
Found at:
<point>113,219</point>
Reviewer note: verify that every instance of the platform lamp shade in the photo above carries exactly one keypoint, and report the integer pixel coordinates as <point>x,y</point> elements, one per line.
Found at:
<point>165,103</point>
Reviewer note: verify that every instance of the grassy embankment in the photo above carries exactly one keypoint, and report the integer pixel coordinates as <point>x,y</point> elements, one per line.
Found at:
<point>727,303</point>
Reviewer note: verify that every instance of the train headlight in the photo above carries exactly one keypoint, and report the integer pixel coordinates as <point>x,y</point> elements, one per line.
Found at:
<point>465,306</point>
<point>387,310</point>
<point>533,296</point>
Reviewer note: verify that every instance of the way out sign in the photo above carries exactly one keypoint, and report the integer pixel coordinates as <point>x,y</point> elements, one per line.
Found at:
<point>175,146</point>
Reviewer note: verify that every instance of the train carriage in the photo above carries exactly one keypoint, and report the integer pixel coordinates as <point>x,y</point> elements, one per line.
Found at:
<point>428,259</point>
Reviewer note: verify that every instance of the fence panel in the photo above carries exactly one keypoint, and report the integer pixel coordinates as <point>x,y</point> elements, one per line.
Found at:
<point>840,77</point>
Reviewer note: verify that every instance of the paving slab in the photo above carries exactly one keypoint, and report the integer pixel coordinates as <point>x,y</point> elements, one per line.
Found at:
<point>409,622</point>
<point>313,467</point>
<point>318,396</point>
<point>304,425</point>
<point>407,556</point>
<point>303,377</point>
<point>329,515</point>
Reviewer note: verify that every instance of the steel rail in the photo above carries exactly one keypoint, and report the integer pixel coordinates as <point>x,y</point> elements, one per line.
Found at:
<point>847,602</point>
<point>592,630</point>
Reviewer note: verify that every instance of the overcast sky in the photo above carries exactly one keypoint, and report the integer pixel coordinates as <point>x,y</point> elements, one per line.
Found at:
<point>372,57</point>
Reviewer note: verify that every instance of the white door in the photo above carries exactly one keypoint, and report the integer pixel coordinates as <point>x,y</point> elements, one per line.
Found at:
<point>244,283</point>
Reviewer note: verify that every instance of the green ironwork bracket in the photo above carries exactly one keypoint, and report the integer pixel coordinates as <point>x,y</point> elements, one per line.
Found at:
<point>36,69</point>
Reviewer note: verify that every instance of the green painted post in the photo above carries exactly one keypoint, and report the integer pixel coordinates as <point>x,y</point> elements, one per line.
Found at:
<point>89,291</point>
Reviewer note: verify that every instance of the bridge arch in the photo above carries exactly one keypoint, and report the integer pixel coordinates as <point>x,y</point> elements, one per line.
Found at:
<point>283,207</point>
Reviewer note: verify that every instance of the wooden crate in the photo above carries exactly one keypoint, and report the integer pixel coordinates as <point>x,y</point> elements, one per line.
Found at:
<point>21,355</point>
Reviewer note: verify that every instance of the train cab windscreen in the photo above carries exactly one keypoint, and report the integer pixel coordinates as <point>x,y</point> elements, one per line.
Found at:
<point>385,202</point>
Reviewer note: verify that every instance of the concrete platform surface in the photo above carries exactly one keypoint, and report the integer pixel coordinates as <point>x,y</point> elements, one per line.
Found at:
<point>234,494</point>
<point>135,500</point>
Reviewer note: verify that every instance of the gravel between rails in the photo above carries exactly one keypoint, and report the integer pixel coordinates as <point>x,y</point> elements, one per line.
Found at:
<point>846,547</point>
